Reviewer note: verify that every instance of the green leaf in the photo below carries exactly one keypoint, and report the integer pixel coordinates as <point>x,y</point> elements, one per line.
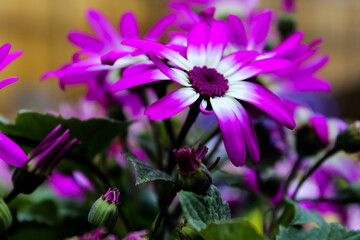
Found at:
<point>230,230</point>
<point>146,173</point>
<point>44,212</point>
<point>201,210</point>
<point>95,134</point>
<point>295,215</point>
<point>325,232</point>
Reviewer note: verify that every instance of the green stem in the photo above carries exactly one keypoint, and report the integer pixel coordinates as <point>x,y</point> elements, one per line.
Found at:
<point>11,196</point>
<point>163,211</point>
<point>313,169</point>
<point>292,174</point>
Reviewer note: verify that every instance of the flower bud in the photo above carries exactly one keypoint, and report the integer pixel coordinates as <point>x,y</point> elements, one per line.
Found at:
<point>42,160</point>
<point>308,142</point>
<point>104,211</point>
<point>192,174</point>
<point>5,217</point>
<point>286,25</point>
<point>349,139</point>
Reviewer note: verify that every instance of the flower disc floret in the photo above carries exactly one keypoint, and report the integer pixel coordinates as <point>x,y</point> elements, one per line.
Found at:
<point>208,82</point>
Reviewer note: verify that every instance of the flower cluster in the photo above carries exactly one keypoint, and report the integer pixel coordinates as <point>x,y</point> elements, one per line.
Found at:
<point>223,75</point>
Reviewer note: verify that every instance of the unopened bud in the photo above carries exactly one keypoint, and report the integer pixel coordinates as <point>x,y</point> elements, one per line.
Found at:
<point>349,139</point>
<point>308,142</point>
<point>5,217</point>
<point>192,174</point>
<point>104,212</point>
<point>286,25</point>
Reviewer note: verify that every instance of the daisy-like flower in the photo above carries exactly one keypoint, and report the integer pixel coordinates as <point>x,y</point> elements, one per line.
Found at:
<point>5,59</point>
<point>102,58</point>
<point>217,82</point>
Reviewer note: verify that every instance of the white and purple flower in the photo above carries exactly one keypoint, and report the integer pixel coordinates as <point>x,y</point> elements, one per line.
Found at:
<point>216,82</point>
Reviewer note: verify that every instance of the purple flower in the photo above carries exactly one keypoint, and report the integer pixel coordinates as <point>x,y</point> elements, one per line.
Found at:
<point>11,153</point>
<point>50,150</point>
<point>139,235</point>
<point>102,59</point>
<point>288,6</point>
<point>216,82</point>
<point>242,8</point>
<point>5,59</point>
<point>65,186</point>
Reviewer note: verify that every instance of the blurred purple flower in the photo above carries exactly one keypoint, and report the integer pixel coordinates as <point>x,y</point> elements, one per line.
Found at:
<point>69,186</point>
<point>5,59</point>
<point>139,235</point>
<point>106,58</point>
<point>11,153</point>
<point>216,83</point>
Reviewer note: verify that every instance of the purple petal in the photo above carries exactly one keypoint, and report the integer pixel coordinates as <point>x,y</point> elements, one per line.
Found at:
<point>9,58</point>
<point>137,68</point>
<point>147,76</point>
<point>128,26</point>
<point>237,32</point>
<point>292,41</point>
<point>216,43</point>
<point>160,26</point>
<point>263,99</point>
<point>7,81</point>
<point>320,126</point>
<point>231,129</point>
<point>4,50</point>
<point>161,50</point>
<point>260,31</point>
<point>172,103</point>
<point>249,133</point>
<point>85,42</point>
<point>197,42</point>
<point>234,61</point>
<point>103,28</point>
<point>174,74</point>
<point>11,153</point>
<point>111,57</point>
<point>259,67</point>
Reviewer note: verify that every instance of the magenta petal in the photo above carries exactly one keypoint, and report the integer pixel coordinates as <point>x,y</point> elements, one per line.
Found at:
<point>292,41</point>
<point>144,77</point>
<point>197,43</point>
<point>259,67</point>
<point>174,74</point>
<point>103,28</point>
<point>216,43</point>
<point>237,32</point>
<point>251,142</point>
<point>263,99</point>
<point>7,81</point>
<point>128,26</point>
<point>161,50</point>
<point>172,103</point>
<point>321,127</point>
<point>86,42</point>
<point>137,68</point>
<point>4,50</point>
<point>259,31</point>
<point>9,58</point>
<point>231,129</point>
<point>11,153</point>
<point>234,61</point>
<point>160,26</point>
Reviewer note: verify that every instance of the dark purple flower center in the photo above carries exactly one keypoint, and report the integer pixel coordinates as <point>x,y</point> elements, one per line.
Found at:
<point>208,82</point>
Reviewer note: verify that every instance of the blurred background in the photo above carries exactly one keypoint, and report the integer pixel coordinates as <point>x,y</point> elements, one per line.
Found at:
<point>40,28</point>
